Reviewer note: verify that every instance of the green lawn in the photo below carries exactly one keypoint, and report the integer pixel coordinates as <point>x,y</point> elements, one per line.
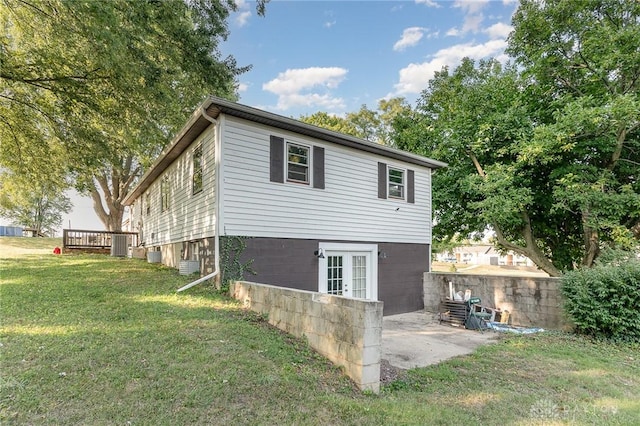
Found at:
<point>98,340</point>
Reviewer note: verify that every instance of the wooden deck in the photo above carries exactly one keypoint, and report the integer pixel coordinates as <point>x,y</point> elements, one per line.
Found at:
<point>93,241</point>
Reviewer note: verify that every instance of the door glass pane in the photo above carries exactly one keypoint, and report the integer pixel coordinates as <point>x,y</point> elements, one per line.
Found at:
<point>359,276</point>
<point>334,275</point>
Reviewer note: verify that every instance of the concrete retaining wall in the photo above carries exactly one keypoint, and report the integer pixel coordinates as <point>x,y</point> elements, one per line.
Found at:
<point>346,331</point>
<point>531,301</point>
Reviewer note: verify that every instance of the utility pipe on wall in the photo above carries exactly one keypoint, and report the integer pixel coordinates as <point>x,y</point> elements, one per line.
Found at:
<point>216,246</point>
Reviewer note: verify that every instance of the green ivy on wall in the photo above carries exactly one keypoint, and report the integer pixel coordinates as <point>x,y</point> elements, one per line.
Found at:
<point>232,268</point>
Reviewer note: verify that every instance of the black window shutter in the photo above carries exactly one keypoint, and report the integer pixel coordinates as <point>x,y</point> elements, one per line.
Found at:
<point>411,193</point>
<point>277,159</point>
<point>318,167</point>
<point>382,180</point>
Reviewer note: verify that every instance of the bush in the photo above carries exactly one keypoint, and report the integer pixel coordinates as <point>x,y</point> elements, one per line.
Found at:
<point>604,301</point>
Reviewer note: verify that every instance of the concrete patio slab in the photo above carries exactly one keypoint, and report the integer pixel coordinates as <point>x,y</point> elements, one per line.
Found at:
<point>417,339</point>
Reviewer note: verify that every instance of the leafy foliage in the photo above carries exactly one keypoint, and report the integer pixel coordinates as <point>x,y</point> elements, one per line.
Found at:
<point>371,125</point>
<point>37,203</point>
<point>603,301</point>
<point>108,82</point>
<point>546,154</point>
<point>232,266</point>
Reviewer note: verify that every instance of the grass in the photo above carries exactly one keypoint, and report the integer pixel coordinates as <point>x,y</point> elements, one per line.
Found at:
<point>12,247</point>
<point>100,340</point>
<point>471,269</point>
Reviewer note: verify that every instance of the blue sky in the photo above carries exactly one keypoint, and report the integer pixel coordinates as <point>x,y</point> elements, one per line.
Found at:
<point>334,56</point>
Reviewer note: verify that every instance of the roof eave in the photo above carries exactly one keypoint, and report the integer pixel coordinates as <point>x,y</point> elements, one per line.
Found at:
<point>214,106</point>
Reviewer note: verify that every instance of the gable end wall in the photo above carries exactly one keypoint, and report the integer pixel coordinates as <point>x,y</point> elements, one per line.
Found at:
<point>347,209</point>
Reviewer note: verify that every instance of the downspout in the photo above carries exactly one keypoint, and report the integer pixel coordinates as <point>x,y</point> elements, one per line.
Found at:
<point>216,246</point>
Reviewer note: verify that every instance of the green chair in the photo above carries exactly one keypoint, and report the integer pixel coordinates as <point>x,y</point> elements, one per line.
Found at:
<point>476,320</point>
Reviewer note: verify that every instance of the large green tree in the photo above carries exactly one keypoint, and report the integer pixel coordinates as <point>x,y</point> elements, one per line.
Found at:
<point>371,125</point>
<point>33,201</point>
<point>546,154</point>
<point>110,82</point>
<point>582,60</point>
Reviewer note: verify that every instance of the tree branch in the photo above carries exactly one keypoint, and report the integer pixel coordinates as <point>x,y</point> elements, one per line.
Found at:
<point>622,133</point>
<point>604,80</point>
<point>98,207</point>
<point>477,164</point>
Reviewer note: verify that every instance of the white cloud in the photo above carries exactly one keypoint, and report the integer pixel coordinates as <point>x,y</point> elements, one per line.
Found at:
<point>430,3</point>
<point>243,87</point>
<point>299,87</point>
<point>330,24</point>
<point>243,18</point>
<point>498,30</point>
<point>472,23</point>
<point>471,7</point>
<point>410,37</point>
<point>415,77</point>
<point>452,32</point>
<point>473,16</point>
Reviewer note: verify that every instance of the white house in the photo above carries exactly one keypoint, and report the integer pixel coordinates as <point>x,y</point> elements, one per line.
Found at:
<point>483,254</point>
<point>317,210</point>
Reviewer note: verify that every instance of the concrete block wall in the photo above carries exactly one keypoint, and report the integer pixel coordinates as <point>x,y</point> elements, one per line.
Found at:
<point>531,301</point>
<point>346,331</point>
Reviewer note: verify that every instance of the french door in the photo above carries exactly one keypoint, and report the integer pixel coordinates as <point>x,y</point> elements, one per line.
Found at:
<point>349,270</point>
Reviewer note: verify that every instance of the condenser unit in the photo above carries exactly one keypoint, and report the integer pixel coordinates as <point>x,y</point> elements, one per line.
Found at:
<point>119,247</point>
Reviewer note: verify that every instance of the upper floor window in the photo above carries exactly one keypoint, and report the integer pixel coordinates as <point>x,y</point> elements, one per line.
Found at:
<point>164,194</point>
<point>147,203</point>
<point>396,183</point>
<point>197,170</point>
<point>297,163</point>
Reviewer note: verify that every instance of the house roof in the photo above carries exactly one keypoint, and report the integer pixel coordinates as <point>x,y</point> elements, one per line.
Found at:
<point>215,106</point>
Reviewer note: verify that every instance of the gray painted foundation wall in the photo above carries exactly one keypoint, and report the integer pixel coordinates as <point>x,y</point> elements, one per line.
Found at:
<point>346,331</point>
<point>531,301</point>
<point>287,262</point>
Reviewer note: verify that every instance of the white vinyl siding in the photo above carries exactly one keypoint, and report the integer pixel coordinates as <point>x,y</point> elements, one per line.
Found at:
<point>348,209</point>
<point>189,216</point>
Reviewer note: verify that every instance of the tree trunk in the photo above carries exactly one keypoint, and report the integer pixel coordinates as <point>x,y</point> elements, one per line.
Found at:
<point>531,251</point>
<point>109,188</point>
<point>591,241</point>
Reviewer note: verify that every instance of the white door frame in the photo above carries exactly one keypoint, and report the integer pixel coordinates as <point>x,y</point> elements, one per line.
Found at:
<point>371,249</point>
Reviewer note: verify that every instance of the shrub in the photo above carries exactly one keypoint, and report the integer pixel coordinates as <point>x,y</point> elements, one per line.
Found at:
<point>604,301</point>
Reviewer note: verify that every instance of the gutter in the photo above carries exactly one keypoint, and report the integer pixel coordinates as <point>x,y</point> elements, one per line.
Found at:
<point>216,247</point>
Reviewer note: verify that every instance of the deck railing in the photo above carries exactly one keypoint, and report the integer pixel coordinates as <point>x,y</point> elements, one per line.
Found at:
<point>84,239</point>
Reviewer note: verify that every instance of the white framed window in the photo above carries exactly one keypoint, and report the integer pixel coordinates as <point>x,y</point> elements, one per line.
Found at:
<point>396,182</point>
<point>147,203</point>
<point>298,163</point>
<point>194,250</point>
<point>164,194</point>
<point>196,179</point>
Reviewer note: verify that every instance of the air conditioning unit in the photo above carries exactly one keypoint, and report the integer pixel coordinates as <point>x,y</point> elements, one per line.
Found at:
<point>154,256</point>
<point>119,247</point>
<point>188,267</point>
